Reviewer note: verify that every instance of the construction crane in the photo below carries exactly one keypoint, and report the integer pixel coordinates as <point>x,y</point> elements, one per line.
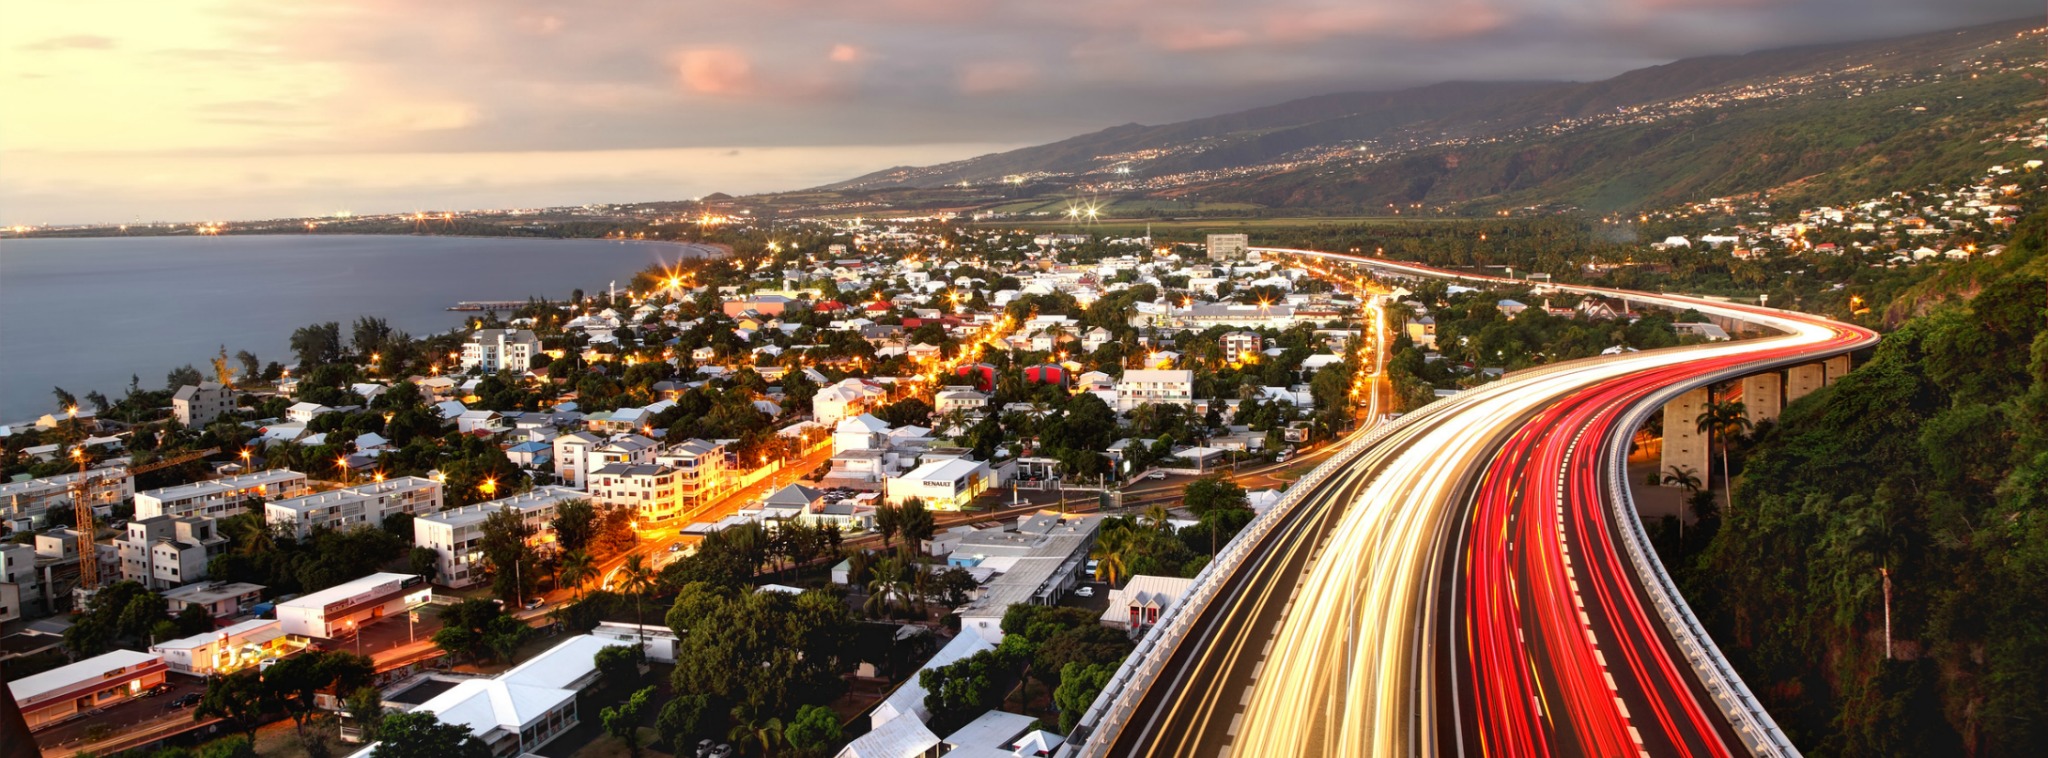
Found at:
<point>82,496</point>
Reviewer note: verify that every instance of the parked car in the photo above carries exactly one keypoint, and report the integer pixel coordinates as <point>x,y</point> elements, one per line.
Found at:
<point>1085,591</point>
<point>1155,475</point>
<point>186,700</point>
<point>157,690</point>
<point>1282,457</point>
<point>536,603</point>
<point>675,547</point>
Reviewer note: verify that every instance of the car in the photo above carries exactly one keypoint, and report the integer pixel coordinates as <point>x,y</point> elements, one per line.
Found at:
<point>265,664</point>
<point>186,700</point>
<point>536,603</point>
<point>1282,458</point>
<point>157,690</point>
<point>1085,591</point>
<point>675,547</point>
<point>1155,475</point>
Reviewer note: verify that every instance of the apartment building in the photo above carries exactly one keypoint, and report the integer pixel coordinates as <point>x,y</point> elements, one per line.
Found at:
<point>223,497</point>
<point>1148,386</point>
<point>167,551</point>
<point>351,507</point>
<point>704,471</point>
<point>494,350</point>
<point>26,504</point>
<point>455,535</point>
<point>197,405</point>
<point>650,490</point>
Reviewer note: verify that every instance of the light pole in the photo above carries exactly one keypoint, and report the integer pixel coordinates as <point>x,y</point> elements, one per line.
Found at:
<point>357,633</point>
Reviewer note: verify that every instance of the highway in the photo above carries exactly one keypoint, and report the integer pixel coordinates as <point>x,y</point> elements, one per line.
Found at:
<point>1472,583</point>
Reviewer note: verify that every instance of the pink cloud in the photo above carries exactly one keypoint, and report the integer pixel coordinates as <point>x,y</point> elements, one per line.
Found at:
<point>1191,39</point>
<point>989,77</point>
<point>844,53</point>
<point>716,71</point>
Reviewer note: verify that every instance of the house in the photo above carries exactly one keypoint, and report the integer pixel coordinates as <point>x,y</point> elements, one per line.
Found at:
<point>1240,345</point>
<point>198,405</point>
<point>570,452</point>
<point>304,413</point>
<point>220,599</point>
<point>473,422</point>
<point>848,397</point>
<point>1041,558</point>
<point>1511,308</point>
<point>456,535</point>
<point>1147,386</point>
<point>522,710</point>
<point>792,501</point>
<point>943,485</point>
<point>166,551</point>
<point>494,350</point>
<point>958,398</point>
<point>357,506</point>
<point>991,734</point>
<point>336,611</point>
<point>1136,606</point>
<point>862,432</point>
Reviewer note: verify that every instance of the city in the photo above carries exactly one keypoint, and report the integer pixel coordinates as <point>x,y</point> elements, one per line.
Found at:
<point>1385,422</point>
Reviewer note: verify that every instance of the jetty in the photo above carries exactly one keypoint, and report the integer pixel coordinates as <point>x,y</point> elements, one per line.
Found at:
<point>489,305</point>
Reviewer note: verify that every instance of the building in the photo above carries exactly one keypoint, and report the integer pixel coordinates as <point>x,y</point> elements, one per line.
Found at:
<point>456,535</point>
<point>27,503</point>
<point>1422,331</point>
<point>223,497</point>
<point>167,551</point>
<point>704,472</point>
<point>1148,386</point>
<point>522,710</point>
<point>943,485</point>
<point>198,405</point>
<point>862,432</point>
<point>571,453</point>
<point>1039,559</point>
<point>223,600</point>
<point>846,398</point>
<point>1238,346</point>
<point>61,693</point>
<point>1138,605</point>
<point>963,399</point>
<point>337,611</point>
<point>495,350</point>
<point>650,490</point>
<point>351,507</point>
<point>1228,246</point>
<point>228,650</point>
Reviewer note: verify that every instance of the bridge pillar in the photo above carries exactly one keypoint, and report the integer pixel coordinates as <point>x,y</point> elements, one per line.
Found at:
<point>1763,397</point>
<point>1836,368</point>
<point>1684,447</point>
<point>1803,379</point>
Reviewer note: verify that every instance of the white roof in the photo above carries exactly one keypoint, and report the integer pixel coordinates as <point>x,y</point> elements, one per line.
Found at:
<point>902,738</point>
<point>486,704</point>
<point>83,671</point>
<point>993,730</point>
<point>560,666</point>
<point>249,628</point>
<point>949,469</point>
<point>909,698</point>
<point>865,422</point>
<point>343,591</point>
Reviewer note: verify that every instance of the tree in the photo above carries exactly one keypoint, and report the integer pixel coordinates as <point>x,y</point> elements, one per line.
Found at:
<point>182,376</point>
<point>1108,554</point>
<point>238,699</point>
<point>1722,422</point>
<point>577,569</point>
<point>423,561</point>
<point>480,629</point>
<point>636,579</point>
<point>1079,685</point>
<point>575,523</point>
<point>508,555</point>
<point>65,400</point>
<point>619,664</point>
<point>252,369</point>
<point>813,731</point>
<point>366,707</point>
<point>623,721</point>
<point>1212,493</point>
<point>420,734</point>
<point>887,591</point>
<point>917,522</point>
<point>888,522</point>
<point>316,345</point>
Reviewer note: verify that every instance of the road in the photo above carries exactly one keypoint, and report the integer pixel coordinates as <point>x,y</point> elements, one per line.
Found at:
<point>1466,586</point>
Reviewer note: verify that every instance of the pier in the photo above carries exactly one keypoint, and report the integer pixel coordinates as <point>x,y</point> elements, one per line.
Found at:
<point>489,305</point>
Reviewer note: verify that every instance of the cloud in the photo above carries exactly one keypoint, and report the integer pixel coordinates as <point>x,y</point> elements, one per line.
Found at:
<point>1191,39</point>
<point>993,77</point>
<point>716,71</point>
<point>70,42</point>
<point>845,53</point>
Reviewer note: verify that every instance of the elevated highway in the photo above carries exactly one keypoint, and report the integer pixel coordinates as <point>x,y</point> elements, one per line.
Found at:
<point>1472,580</point>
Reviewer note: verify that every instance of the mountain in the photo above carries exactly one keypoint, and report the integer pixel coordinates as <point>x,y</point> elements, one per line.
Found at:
<point>1808,117</point>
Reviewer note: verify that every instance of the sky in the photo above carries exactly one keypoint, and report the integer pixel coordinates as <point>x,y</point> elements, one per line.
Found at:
<point>216,110</point>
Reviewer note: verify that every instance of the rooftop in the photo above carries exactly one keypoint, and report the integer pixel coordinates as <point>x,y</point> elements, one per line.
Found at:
<point>57,679</point>
<point>345,591</point>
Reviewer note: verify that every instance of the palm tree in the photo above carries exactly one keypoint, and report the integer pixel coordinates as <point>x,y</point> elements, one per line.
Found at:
<point>1682,476</point>
<point>577,568</point>
<point>1109,554</point>
<point>887,589</point>
<point>1157,515</point>
<point>1722,422</point>
<point>636,578</point>
<point>746,729</point>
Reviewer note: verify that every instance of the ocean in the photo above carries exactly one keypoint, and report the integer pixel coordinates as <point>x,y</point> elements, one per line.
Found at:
<point>85,314</point>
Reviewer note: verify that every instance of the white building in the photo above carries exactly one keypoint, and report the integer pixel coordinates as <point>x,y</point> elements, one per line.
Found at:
<point>848,397</point>
<point>223,497</point>
<point>230,649</point>
<point>1137,606</point>
<point>965,399</point>
<point>167,551</point>
<point>220,599</point>
<point>704,472</point>
<point>1148,386</point>
<point>1040,558</point>
<point>494,350</point>
<point>1228,246</point>
<point>650,490</point>
<point>943,485</point>
<point>571,452</point>
<point>351,507</point>
<point>27,502</point>
<point>96,682</point>
<point>455,535</point>
<point>337,611</point>
<point>862,432</point>
<point>198,405</point>
<point>522,710</point>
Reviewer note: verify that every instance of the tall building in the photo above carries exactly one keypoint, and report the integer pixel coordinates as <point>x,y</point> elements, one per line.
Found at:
<point>223,497</point>
<point>1228,246</point>
<point>351,507</point>
<point>198,405</point>
<point>456,535</point>
<point>167,551</point>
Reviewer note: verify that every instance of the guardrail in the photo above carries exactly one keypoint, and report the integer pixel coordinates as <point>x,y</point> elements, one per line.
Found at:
<point>1759,732</point>
<point>1113,707</point>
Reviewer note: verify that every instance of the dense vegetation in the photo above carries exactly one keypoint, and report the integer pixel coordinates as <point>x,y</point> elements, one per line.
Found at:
<point>1929,464</point>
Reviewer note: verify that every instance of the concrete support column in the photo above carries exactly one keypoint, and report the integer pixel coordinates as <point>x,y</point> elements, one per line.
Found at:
<point>1763,397</point>
<point>1684,446</point>
<point>1836,368</point>
<point>1803,379</point>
